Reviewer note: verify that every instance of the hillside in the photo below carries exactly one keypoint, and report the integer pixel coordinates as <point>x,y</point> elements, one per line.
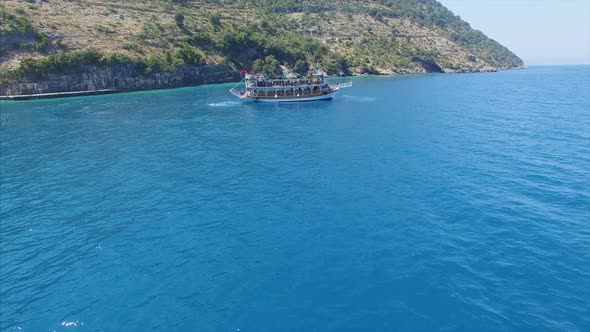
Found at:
<point>345,36</point>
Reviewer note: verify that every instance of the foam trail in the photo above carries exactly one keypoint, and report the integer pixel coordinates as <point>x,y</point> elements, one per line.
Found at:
<point>358,98</point>
<point>224,104</point>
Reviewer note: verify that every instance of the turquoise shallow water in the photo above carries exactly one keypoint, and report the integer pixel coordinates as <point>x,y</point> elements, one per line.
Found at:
<point>417,203</point>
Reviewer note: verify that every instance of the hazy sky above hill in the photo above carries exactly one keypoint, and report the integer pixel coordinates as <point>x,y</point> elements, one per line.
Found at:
<point>539,31</point>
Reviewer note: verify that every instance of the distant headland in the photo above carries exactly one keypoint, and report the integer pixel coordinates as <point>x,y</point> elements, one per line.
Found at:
<point>78,46</point>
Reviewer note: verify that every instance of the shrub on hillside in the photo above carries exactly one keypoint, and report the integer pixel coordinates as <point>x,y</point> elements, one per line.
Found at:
<point>269,65</point>
<point>179,19</point>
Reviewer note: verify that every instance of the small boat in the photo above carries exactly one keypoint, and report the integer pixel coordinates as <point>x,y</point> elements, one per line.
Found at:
<point>259,87</point>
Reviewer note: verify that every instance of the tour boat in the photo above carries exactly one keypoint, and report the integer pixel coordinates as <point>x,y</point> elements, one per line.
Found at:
<point>259,87</point>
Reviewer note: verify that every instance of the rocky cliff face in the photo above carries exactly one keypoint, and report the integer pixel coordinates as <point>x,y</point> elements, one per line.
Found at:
<point>43,43</point>
<point>120,77</point>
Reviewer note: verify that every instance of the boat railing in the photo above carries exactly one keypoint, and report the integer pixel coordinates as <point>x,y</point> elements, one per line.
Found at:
<point>238,93</point>
<point>287,87</point>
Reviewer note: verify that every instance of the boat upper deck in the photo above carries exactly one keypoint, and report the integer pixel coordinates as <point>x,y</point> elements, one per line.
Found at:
<point>260,86</point>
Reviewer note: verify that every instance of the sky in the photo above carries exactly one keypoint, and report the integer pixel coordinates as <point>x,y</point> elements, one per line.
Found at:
<point>539,31</point>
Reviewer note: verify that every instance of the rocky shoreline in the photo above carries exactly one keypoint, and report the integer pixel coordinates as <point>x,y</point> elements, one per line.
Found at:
<point>95,80</point>
<point>115,78</point>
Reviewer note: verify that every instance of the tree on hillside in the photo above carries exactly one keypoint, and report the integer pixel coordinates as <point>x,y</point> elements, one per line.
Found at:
<point>269,65</point>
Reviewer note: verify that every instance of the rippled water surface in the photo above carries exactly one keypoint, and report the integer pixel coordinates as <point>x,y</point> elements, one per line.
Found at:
<point>417,203</point>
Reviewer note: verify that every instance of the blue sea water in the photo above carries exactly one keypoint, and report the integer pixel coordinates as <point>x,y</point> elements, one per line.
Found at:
<point>411,203</point>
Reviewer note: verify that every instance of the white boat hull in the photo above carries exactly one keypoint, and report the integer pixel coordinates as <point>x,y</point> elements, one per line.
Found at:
<point>327,96</point>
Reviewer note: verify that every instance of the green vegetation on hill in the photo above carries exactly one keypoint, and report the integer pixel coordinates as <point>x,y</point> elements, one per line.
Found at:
<point>344,36</point>
<point>12,25</point>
